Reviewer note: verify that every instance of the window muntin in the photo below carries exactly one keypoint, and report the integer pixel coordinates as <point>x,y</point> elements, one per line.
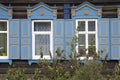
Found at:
<point>3,39</point>
<point>42,38</point>
<point>86,36</point>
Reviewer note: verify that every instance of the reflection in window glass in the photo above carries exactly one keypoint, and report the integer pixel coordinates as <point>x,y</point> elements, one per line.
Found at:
<point>91,25</point>
<point>91,39</point>
<point>91,50</point>
<point>81,39</point>
<point>42,26</point>
<point>81,25</point>
<point>81,50</point>
<point>3,26</point>
<point>3,44</point>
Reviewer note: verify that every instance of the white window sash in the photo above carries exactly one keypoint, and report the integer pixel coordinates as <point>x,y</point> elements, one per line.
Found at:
<point>86,32</point>
<point>6,32</point>
<point>41,33</point>
<point>3,31</point>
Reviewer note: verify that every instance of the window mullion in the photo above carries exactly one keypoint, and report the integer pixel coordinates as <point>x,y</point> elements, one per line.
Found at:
<point>86,36</point>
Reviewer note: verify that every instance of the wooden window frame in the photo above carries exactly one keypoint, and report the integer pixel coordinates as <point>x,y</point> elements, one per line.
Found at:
<point>42,32</point>
<point>86,32</point>
<point>5,57</point>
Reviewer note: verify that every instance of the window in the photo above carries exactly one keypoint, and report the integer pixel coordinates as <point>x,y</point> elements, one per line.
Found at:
<point>42,38</point>
<point>3,39</point>
<point>87,37</point>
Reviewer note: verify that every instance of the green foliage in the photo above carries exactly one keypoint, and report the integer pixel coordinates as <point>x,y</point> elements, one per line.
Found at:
<point>72,69</point>
<point>41,53</point>
<point>16,74</point>
<point>59,52</point>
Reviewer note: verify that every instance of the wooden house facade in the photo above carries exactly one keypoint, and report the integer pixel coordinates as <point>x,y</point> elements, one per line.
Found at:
<point>51,25</point>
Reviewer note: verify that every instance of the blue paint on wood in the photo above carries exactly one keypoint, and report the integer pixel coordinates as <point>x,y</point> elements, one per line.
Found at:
<point>115,28</point>
<point>14,36</point>
<point>115,43</point>
<point>116,51</point>
<point>69,34</point>
<point>104,37</point>
<point>25,30</point>
<point>58,35</point>
<point>26,39</point>
<point>42,11</point>
<point>86,10</point>
<point>4,12</point>
<point>66,11</point>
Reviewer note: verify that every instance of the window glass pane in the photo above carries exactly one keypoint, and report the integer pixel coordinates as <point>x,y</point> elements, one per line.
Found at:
<point>3,26</point>
<point>42,41</point>
<point>3,44</point>
<point>91,50</point>
<point>91,39</point>
<point>91,25</point>
<point>81,50</point>
<point>42,26</point>
<point>81,26</point>
<point>81,39</point>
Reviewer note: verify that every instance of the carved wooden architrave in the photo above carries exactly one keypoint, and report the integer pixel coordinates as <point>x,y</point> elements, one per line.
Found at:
<point>29,12</point>
<point>86,12</point>
<point>42,13</point>
<point>55,12</point>
<point>10,12</point>
<point>73,12</point>
<point>118,11</point>
<point>99,12</point>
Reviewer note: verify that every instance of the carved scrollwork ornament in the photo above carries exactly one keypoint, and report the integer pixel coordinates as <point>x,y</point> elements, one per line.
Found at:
<point>100,12</point>
<point>55,12</point>
<point>86,12</point>
<point>42,13</point>
<point>73,12</point>
<point>118,11</point>
<point>10,12</point>
<point>29,12</point>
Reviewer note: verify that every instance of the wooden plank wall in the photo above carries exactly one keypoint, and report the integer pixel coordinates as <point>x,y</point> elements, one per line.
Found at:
<point>19,6</point>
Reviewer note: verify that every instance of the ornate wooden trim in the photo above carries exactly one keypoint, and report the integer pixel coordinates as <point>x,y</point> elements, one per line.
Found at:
<point>55,12</point>
<point>73,12</point>
<point>42,13</point>
<point>86,5</point>
<point>28,12</point>
<point>118,11</point>
<point>40,7</point>
<point>10,12</point>
<point>99,12</point>
<point>86,12</point>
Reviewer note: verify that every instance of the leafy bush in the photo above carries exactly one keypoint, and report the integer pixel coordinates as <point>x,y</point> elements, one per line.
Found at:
<point>16,74</point>
<point>72,69</point>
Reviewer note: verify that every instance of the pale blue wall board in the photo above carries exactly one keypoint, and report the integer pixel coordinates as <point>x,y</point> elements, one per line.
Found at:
<point>115,38</point>
<point>14,39</point>
<point>58,35</point>
<point>104,37</point>
<point>69,35</point>
<point>26,39</point>
<point>115,51</point>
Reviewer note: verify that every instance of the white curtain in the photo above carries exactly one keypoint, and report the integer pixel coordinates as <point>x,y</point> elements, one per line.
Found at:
<point>42,40</point>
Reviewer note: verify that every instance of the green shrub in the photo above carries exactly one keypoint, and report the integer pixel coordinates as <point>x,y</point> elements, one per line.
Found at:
<point>16,74</point>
